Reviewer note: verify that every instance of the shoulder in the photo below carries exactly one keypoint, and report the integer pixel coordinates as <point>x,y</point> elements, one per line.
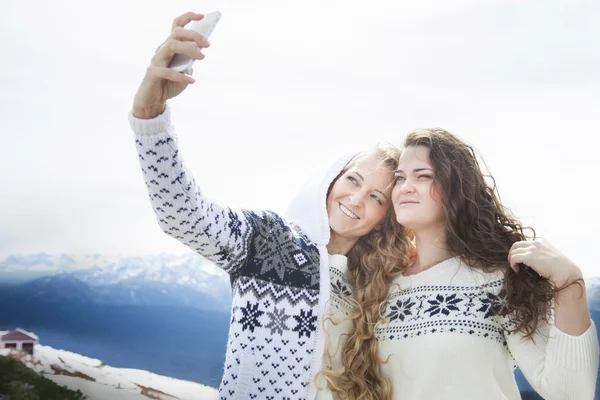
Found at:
<point>489,281</point>
<point>266,222</point>
<point>279,252</point>
<point>270,223</point>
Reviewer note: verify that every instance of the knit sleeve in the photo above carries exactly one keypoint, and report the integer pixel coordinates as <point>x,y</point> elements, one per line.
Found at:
<point>217,232</point>
<point>557,365</point>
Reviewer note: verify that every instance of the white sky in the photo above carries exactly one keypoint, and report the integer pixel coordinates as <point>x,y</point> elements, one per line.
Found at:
<point>286,85</point>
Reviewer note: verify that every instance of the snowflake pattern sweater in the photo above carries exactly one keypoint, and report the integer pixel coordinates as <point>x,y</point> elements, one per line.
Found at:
<point>443,340</point>
<point>278,269</point>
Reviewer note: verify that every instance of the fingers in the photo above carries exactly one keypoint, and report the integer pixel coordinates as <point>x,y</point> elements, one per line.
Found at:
<point>537,242</point>
<point>189,35</point>
<point>171,47</point>
<point>523,244</point>
<point>517,256</point>
<point>514,259</point>
<point>169,74</point>
<point>521,249</point>
<point>181,41</point>
<point>514,263</point>
<point>185,19</point>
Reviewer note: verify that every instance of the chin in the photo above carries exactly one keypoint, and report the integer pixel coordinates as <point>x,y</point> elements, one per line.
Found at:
<point>408,223</point>
<point>337,226</point>
<point>345,229</point>
<point>402,219</point>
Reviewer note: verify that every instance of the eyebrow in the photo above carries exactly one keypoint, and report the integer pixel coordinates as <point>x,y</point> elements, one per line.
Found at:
<point>363,179</point>
<point>414,170</point>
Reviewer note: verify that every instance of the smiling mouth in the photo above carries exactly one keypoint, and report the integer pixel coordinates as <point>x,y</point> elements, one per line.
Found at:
<point>349,213</point>
<point>403,203</point>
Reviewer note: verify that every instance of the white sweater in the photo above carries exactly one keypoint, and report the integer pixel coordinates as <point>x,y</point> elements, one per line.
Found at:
<point>278,267</point>
<point>442,341</point>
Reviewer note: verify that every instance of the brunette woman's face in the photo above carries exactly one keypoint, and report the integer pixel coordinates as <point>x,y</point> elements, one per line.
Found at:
<point>359,199</point>
<point>416,195</point>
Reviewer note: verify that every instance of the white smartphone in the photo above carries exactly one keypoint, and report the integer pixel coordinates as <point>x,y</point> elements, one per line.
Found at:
<point>182,62</point>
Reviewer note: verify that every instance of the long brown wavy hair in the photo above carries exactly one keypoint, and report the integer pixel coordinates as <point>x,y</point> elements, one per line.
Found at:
<point>481,230</point>
<point>374,261</point>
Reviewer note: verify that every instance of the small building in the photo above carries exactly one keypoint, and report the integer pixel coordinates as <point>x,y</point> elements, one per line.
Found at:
<point>18,339</point>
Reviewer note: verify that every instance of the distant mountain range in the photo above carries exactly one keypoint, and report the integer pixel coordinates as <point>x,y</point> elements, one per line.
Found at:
<point>170,280</point>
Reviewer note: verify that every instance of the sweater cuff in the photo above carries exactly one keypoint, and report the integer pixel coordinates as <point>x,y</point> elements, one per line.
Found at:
<point>575,352</point>
<point>159,124</point>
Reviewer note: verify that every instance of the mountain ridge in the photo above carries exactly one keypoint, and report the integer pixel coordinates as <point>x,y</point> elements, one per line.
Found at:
<point>186,280</point>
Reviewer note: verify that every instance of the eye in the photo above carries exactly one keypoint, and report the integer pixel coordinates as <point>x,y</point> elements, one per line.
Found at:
<point>399,178</point>
<point>353,180</point>
<point>425,176</point>
<point>377,199</point>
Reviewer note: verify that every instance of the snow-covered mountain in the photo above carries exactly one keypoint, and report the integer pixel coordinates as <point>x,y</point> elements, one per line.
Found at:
<point>99,381</point>
<point>166,279</point>
<point>188,270</point>
<point>19,268</point>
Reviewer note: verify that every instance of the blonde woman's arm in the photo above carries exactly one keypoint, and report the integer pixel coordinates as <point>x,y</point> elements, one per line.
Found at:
<point>217,232</point>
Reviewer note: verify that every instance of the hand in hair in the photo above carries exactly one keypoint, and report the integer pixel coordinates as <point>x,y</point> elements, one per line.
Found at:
<point>544,259</point>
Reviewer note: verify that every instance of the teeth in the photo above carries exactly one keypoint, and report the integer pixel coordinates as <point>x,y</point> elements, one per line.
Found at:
<point>348,212</point>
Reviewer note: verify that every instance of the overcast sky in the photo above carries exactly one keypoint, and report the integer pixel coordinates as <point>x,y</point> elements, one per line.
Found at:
<point>284,86</point>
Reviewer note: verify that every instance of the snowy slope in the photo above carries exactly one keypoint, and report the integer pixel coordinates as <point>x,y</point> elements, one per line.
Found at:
<point>100,382</point>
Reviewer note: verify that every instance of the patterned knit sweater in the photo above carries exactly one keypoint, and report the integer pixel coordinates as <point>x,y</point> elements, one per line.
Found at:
<point>442,340</point>
<point>279,269</point>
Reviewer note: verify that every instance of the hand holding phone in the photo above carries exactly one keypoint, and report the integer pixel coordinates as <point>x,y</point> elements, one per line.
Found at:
<point>168,73</point>
<point>205,26</point>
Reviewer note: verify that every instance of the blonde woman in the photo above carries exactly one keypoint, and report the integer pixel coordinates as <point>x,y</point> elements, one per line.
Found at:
<point>279,265</point>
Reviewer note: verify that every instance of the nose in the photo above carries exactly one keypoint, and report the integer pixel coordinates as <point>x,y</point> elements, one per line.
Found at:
<point>357,199</point>
<point>407,186</point>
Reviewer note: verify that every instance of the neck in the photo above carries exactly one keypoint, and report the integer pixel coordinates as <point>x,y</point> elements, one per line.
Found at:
<point>432,249</point>
<point>340,245</point>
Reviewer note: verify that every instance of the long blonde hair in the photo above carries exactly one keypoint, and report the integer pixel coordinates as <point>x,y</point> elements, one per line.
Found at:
<point>374,261</point>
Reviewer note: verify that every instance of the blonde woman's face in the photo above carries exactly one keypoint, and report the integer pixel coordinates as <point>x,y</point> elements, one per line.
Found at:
<point>416,199</point>
<point>359,199</point>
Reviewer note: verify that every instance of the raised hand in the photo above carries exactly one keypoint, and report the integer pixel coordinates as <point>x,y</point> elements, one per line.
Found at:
<point>162,83</point>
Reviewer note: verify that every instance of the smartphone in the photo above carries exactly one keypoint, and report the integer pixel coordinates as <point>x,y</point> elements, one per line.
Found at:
<point>205,26</point>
